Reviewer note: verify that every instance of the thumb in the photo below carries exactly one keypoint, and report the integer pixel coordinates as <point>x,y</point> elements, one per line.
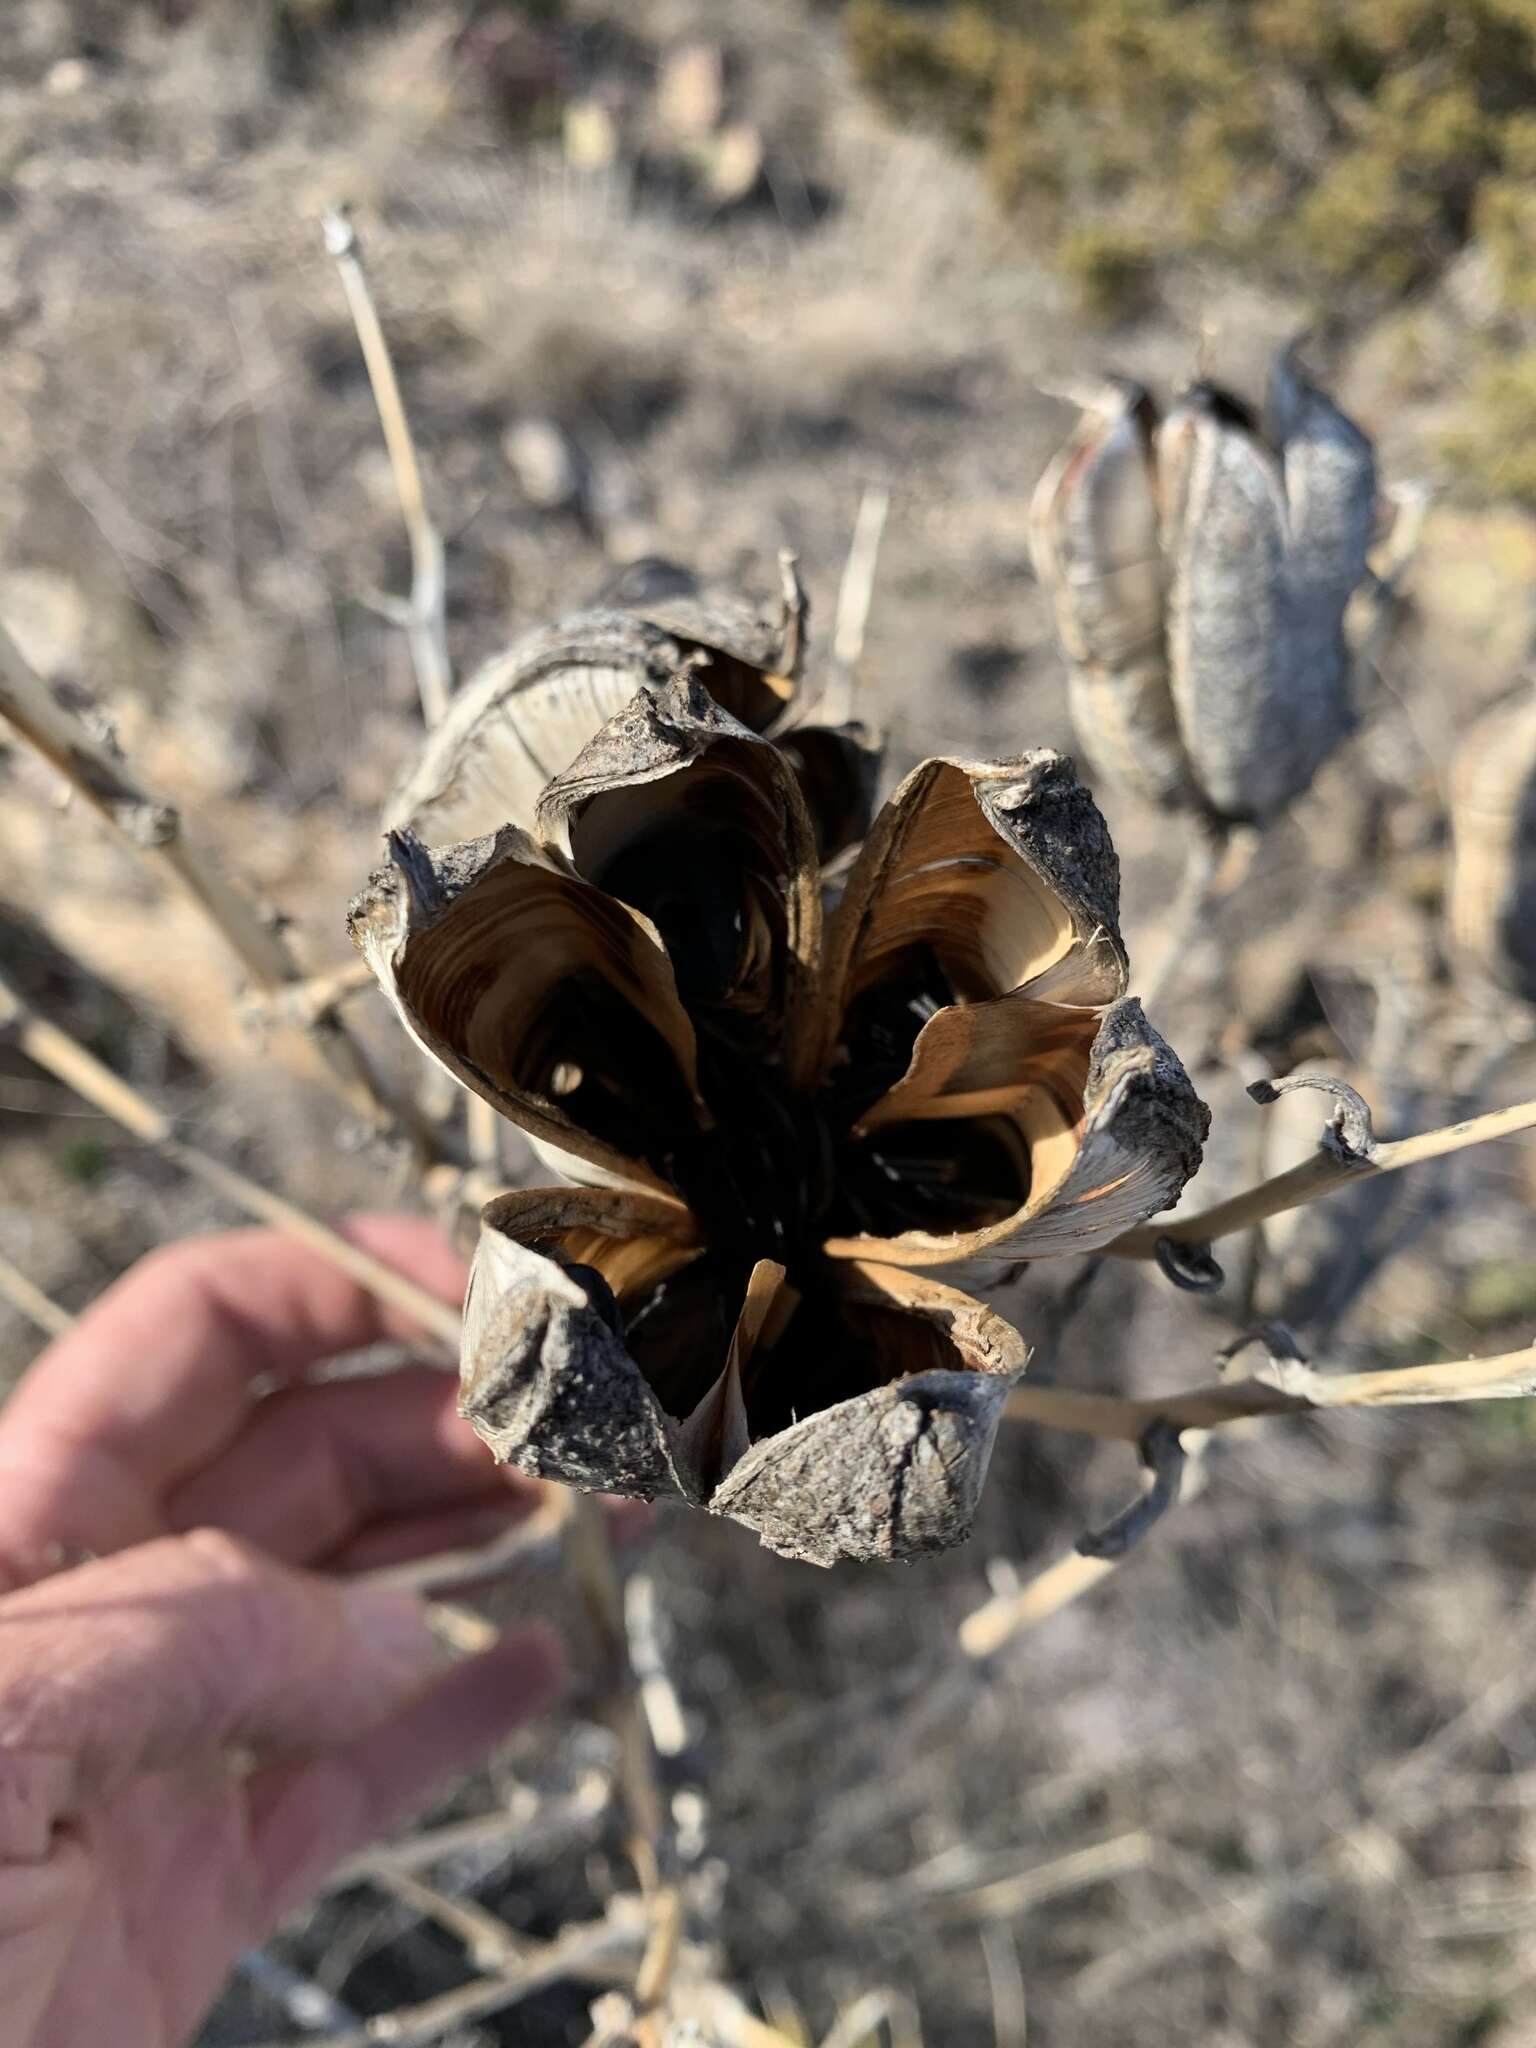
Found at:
<point>183,1647</point>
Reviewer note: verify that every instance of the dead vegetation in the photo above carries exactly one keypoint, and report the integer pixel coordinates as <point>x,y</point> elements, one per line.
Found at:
<point>1270,1779</point>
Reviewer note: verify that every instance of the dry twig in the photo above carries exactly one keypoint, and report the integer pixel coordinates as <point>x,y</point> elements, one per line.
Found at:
<point>36,1306</point>
<point>512,1837</point>
<point>53,1049</point>
<point>1348,1151</point>
<point>423,615</point>
<point>1286,1385</point>
<point>1005,1982</point>
<point>579,1953</point>
<point>153,830</point>
<point>854,597</point>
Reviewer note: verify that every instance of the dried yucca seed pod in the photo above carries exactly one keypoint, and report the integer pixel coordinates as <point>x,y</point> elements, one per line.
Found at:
<point>1493,829</point>
<point>777,1129</point>
<point>525,715</point>
<point>1199,568</point>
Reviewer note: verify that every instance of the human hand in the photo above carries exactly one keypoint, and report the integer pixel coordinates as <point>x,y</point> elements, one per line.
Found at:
<point>197,1724</point>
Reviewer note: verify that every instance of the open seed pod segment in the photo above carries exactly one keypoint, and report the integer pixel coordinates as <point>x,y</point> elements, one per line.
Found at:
<point>1199,566</point>
<point>779,1125</point>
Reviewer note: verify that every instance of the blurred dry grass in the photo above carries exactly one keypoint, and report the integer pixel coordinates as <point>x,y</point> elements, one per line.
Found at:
<point>195,511</point>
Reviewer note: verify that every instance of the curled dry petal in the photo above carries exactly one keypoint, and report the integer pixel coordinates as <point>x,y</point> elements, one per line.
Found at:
<point>553,1001</point>
<point>1492,894</point>
<point>1200,573</point>
<point>1091,1164</point>
<point>896,1472</point>
<point>1002,872</point>
<point>546,1381</point>
<point>838,767</point>
<point>892,1471</point>
<point>699,825</point>
<point>523,718</point>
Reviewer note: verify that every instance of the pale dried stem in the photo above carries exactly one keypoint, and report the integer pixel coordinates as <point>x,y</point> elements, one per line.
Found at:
<point>985,1631</point>
<point>489,1944</point>
<point>1199,889</point>
<point>1005,1984</point>
<point>1326,1170</point>
<point>313,1000</point>
<point>153,830</point>
<point>68,1061</point>
<point>424,618</point>
<point>594,1567</point>
<point>658,1695</point>
<point>726,2020</point>
<point>36,1306</point>
<point>1288,1388</point>
<point>1005,1898</point>
<point>528,1840</point>
<point>854,597</point>
<point>859,2022</point>
<point>531,1545</point>
<point>482,1128</point>
<point>580,1952</point>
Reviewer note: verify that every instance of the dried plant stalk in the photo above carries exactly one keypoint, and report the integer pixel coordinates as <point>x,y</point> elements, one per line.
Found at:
<point>36,1306</point>
<point>1348,1151</point>
<point>1287,1388</point>
<point>153,830</point>
<point>854,596</point>
<point>578,1953</point>
<point>423,616</point>
<point>62,1056</point>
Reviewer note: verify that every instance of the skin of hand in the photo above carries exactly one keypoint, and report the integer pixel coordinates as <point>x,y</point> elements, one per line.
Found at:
<point>199,1721</point>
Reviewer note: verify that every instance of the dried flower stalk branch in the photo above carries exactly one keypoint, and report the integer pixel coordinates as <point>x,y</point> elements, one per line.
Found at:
<point>1348,1151</point>
<point>422,616</point>
<point>556,1824</point>
<point>595,1571</point>
<point>36,1306</point>
<point>854,597</point>
<point>579,1952</point>
<point>985,1631</point>
<point>313,999</point>
<point>153,830</point>
<point>1287,1386</point>
<point>62,1056</point>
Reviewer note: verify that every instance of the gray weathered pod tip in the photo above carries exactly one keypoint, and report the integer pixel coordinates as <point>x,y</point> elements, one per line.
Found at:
<point>889,1474</point>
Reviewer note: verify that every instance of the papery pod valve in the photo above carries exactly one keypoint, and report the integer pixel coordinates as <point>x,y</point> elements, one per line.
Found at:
<point>1199,567</point>
<point>524,716</point>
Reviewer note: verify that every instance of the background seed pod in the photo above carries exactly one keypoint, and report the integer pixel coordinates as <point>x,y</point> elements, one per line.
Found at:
<point>1199,570</point>
<point>1093,532</point>
<point>1493,825</point>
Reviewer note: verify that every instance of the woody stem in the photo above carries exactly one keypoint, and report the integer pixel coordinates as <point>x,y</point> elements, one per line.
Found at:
<point>1330,1167</point>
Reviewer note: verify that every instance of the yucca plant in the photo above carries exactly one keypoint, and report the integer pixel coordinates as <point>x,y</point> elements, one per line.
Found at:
<point>782,1131</point>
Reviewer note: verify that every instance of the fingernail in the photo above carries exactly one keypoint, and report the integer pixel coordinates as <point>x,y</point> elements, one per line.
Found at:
<point>392,1626</point>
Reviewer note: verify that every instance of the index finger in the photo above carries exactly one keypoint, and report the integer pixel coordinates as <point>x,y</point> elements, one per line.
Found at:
<point>158,1374</point>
